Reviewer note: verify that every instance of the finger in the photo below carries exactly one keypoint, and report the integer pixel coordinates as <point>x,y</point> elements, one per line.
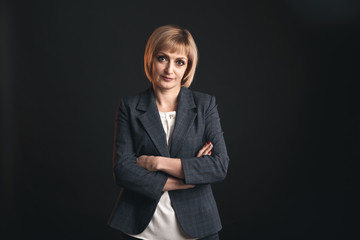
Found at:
<point>208,149</point>
<point>140,161</point>
<point>205,149</point>
<point>205,146</point>
<point>201,151</point>
<point>185,186</point>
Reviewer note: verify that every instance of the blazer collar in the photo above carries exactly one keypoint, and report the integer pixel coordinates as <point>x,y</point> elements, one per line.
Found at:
<point>185,116</point>
<point>147,100</point>
<point>150,119</point>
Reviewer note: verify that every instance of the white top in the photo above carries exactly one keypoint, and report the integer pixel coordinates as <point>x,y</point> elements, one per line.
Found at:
<point>164,224</point>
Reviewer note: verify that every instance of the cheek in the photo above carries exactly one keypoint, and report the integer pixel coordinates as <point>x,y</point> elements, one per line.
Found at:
<point>181,72</point>
<point>157,69</point>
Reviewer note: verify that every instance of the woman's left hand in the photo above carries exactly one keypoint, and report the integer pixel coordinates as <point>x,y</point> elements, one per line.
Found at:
<point>205,150</point>
<point>172,166</point>
<point>150,163</point>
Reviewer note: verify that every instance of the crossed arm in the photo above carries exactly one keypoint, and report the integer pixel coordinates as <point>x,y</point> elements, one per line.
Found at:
<point>150,175</point>
<point>171,166</point>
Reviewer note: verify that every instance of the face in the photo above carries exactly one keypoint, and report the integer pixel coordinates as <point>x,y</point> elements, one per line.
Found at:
<point>169,69</point>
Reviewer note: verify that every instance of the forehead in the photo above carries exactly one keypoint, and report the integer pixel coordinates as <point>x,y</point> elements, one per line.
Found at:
<point>175,49</point>
<point>174,54</point>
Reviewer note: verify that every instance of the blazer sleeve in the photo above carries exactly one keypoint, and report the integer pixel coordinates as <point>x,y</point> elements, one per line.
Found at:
<point>127,173</point>
<point>208,168</point>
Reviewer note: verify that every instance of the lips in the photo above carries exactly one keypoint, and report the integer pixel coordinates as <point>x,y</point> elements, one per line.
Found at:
<point>167,78</point>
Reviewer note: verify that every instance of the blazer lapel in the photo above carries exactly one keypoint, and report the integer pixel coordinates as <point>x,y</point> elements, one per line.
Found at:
<point>185,116</point>
<point>150,119</point>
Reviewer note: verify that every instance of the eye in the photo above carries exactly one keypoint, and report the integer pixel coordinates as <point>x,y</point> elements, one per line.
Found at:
<point>161,58</point>
<point>180,62</point>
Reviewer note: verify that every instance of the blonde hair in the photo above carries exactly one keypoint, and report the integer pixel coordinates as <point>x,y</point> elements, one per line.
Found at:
<point>172,38</point>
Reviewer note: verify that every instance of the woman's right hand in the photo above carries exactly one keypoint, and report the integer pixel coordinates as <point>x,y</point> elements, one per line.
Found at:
<point>205,150</point>
<point>176,184</point>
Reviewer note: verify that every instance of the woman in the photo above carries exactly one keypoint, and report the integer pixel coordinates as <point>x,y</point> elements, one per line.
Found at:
<point>169,148</point>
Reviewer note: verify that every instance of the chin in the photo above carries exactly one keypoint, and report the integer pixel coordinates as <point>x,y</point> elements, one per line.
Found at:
<point>167,85</point>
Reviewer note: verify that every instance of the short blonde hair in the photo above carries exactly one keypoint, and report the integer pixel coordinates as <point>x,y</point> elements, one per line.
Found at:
<point>172,38</point>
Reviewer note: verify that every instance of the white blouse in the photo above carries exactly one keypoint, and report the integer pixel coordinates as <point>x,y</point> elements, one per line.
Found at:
<point>164,224</point>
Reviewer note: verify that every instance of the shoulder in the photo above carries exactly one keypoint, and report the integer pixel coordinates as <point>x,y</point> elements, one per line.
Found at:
<point>132,100</point>
<point>203,99</point>
<point>201,96</point>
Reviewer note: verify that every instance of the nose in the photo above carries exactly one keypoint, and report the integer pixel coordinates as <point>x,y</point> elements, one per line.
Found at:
<point>169,68</point>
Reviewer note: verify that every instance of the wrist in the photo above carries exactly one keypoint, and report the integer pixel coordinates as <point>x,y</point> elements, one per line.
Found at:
<point>158,163</point>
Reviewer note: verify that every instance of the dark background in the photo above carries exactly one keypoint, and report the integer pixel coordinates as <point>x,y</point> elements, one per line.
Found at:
<point>285,74</point>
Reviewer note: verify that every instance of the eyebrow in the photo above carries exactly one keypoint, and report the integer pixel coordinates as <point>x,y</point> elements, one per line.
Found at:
<point>183,58</point>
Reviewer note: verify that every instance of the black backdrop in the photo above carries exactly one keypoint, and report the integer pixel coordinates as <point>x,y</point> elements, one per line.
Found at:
<point>285,76</point>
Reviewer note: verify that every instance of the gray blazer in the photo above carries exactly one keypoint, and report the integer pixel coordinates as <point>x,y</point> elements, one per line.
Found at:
<point>139,132</point>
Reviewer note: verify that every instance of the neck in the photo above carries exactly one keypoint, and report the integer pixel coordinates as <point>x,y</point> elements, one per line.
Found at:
<point>166,100</point>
